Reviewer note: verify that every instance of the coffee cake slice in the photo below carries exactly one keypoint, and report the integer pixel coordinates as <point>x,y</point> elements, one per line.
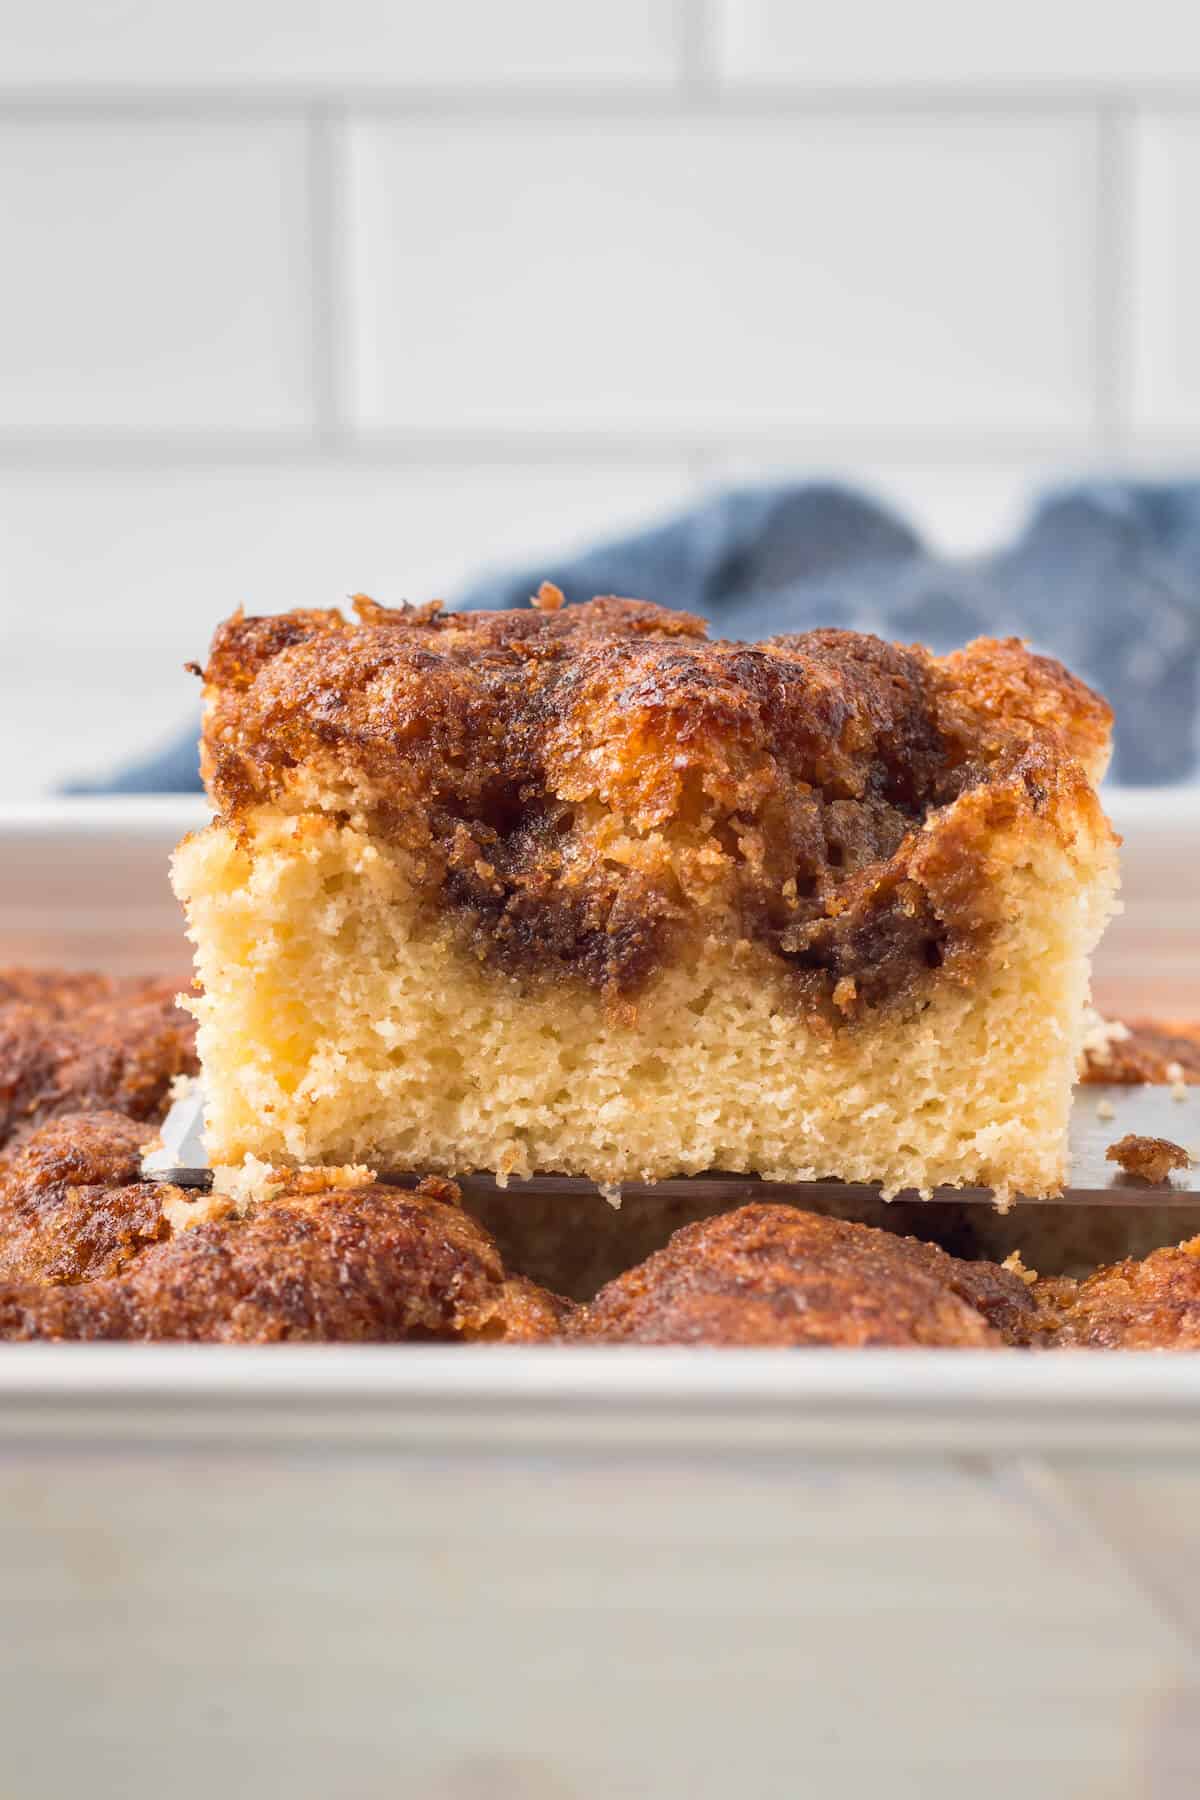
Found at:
<point>580,890</point>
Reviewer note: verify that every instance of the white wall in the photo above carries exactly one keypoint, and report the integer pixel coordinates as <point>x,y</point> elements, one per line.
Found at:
<point>299,299</point>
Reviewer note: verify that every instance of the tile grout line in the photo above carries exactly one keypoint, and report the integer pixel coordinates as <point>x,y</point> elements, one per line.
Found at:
<point>695,85</point>
<point>827,450</point>
<point>1111,271</point>
<point>325,274</point>
<point>697,49</point>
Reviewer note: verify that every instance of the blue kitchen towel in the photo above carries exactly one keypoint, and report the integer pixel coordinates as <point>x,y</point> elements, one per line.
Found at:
<point>1105,576</point>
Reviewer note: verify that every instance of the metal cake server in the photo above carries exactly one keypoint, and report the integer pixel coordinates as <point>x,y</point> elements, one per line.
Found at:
<point>1099,1116</point>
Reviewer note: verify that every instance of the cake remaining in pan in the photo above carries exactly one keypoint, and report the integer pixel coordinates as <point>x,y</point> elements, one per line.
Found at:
<point>327,1258</point>
<point>1148,1303</point>
<point>581,891</point>
<point>78,1041</point>
<point>73,1204</point>
<point>775,1276</point>
<point>770,1275</point>
<point>89,1250</point>
<point>1155,1050</point>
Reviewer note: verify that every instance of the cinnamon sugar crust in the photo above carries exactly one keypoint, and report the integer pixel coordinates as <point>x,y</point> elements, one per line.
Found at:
<point>57,993</point>
<point>87,1042</point>
<point>73,1206</point>
<point>772,1275</point>
<point>319,1263</point>
<point>584,791</point>
<point>1151,1304</point>
<point>1157,1051</point>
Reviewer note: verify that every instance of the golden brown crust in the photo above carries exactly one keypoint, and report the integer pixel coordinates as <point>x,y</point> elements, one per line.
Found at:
<point>1155,1051</point>
<point>86,1043</point>
<point>584,788</point>
<point>73,1206</point>
<point>89,1250</point>
<point>59,992</point>
<point>1031,699</point>
<point>529,1314</point>
<point>1151,1158</point>
<point>1149,1305</point>
<point>365,1265</point>
<point>774,1275</point>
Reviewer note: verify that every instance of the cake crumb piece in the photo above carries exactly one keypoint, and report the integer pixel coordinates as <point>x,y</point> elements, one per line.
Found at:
<point>248,1183</point>
<point>183,1208</point>
<point>548,598</point>
<point>1105,1109</point>
<point>1016,1267</point>
<point>1152,1158</point>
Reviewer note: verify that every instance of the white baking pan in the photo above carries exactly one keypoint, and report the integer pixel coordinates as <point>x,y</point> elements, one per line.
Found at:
<point>488,1574</point>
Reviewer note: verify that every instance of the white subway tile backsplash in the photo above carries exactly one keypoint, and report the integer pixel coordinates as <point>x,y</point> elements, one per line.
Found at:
<point>1164,292</point>
<point>111,578</point>
<point>860,43</point>
<point>156,276</point>
<point>723,278</point>
<point>829,259</point>
<point>373,42</point>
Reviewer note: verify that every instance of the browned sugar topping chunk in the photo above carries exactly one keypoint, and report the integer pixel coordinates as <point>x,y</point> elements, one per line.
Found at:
<point>1152,1158</point>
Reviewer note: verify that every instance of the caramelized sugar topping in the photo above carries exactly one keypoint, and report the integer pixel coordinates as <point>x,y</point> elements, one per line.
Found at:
<point>584,789</point>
